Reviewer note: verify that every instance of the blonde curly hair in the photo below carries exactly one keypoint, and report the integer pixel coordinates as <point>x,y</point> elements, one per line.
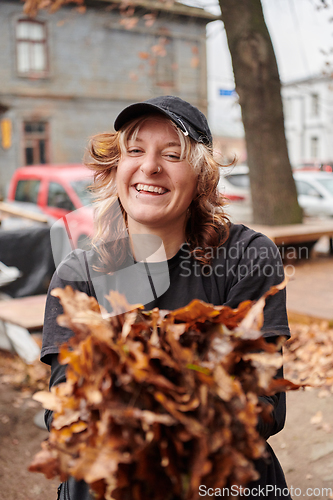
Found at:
<point>207,224</point>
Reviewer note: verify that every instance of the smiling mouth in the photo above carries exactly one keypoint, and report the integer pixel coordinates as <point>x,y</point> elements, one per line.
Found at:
<point>150,189</point>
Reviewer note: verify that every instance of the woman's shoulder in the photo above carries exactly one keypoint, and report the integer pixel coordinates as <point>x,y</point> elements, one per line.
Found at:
<point>77,265</point>
<point>241,234</point>
<point>244,242</point>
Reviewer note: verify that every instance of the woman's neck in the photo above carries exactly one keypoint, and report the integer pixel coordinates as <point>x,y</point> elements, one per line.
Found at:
<point>154,245</point>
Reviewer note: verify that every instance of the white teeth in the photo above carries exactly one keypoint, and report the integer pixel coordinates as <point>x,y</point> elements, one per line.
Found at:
<point>151,189</point>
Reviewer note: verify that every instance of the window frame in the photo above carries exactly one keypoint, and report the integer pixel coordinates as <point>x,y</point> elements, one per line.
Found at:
<point>164,74</point>
<point>35,137</point>
<point>315,104</point>
<point>288,108</point>
<point>314,147</point>
<point>31,72</point>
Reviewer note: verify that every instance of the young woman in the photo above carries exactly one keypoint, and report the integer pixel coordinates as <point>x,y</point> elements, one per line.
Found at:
<point>163,239</point>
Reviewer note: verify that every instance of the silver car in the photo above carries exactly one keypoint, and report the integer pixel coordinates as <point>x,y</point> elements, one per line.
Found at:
<point>315,192</point>
<point>234,184</point>
<point>314,189</point>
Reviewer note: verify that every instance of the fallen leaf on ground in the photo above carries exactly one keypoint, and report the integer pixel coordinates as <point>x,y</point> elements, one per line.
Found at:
<point>317,418</point>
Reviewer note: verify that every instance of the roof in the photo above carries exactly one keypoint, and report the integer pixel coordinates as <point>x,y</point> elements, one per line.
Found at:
<point>309,79</point>
<point>175,8</point>
<point>69,170</point>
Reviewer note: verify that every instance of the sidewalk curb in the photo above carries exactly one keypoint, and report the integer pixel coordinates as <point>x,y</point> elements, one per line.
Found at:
<point>297,317</point>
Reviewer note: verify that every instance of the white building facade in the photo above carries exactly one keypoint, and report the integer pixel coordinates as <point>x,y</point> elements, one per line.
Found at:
<point>308,111</point>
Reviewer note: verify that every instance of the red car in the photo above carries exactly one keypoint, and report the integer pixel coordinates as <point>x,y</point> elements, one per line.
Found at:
<point>57,190</point>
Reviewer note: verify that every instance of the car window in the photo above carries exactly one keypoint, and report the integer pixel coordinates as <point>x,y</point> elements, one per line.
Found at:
<point>239,180</point>
<point>306,189</point>
<point>327,183</point>
<point>80,188</point>
<point>57,197</point>
<point>27,190</point>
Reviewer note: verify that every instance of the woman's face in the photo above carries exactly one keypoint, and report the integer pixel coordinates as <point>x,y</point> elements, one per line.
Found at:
<point>154,185</point>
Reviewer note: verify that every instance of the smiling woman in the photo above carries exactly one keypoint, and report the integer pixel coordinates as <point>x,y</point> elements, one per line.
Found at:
<point>163,239</point>
<point>159,169</point>
<point>155,182</point>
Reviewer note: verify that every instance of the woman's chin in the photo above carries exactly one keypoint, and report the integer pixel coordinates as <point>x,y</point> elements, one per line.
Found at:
<point>153,220</point>
<point>149,222</point>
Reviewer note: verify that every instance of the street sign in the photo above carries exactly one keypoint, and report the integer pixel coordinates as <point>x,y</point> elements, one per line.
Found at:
<point>227,92</point>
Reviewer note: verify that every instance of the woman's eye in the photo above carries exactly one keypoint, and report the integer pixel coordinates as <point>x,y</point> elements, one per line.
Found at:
<point>173,156</point>
<point>133,150</point>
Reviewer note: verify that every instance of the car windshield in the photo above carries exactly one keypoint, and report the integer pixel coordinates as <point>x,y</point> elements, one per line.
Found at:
<point>327,183</point>
<point>239,180</point>
<point>80,188</point>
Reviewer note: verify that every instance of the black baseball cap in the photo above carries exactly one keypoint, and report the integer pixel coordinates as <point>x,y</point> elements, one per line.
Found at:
<point>187,117</point>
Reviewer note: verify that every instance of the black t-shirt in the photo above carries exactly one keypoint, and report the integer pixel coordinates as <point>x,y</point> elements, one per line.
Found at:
<point>243,268</point>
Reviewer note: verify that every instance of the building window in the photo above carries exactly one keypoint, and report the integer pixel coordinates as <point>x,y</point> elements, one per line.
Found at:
<point>165,62</point>
<point>287,107</point>
<point>36,142</point>
<point>31,48</point>
<point>314,145</point>
<point>314,104</point>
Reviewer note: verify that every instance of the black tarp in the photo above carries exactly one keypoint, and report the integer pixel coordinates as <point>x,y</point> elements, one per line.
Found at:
<point>29,250</point>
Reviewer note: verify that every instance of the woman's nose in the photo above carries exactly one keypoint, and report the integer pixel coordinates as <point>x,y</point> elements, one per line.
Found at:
<point>150,164</point>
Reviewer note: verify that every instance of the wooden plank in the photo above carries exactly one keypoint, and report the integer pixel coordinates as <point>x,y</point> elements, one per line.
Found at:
<point>19,212</point>
<point>27,312</point>
<point>296,233</point>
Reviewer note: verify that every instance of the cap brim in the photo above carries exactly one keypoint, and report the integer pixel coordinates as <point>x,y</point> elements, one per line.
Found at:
<point>143,108</point>
<point>139,109</point>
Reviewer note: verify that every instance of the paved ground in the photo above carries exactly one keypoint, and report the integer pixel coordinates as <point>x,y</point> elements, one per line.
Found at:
<point>310,289</point>
<point>305,449</point>
<point>20,440</point>
<point>305,446</point>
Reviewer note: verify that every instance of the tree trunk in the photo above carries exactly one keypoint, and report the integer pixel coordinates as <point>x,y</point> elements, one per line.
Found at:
<point>273,190</point>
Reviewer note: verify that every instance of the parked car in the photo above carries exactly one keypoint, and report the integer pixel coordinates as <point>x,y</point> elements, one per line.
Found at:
<point>315,192</point>
<point>234,185</point>
<point>56,190</point>
<point>314,189</point>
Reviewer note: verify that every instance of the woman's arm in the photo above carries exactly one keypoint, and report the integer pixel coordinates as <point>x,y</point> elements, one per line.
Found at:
<point>58,375</point>
<point>255,265</point>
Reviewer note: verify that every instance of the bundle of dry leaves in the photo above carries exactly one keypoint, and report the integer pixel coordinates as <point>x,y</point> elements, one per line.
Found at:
<point>157,403</point>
